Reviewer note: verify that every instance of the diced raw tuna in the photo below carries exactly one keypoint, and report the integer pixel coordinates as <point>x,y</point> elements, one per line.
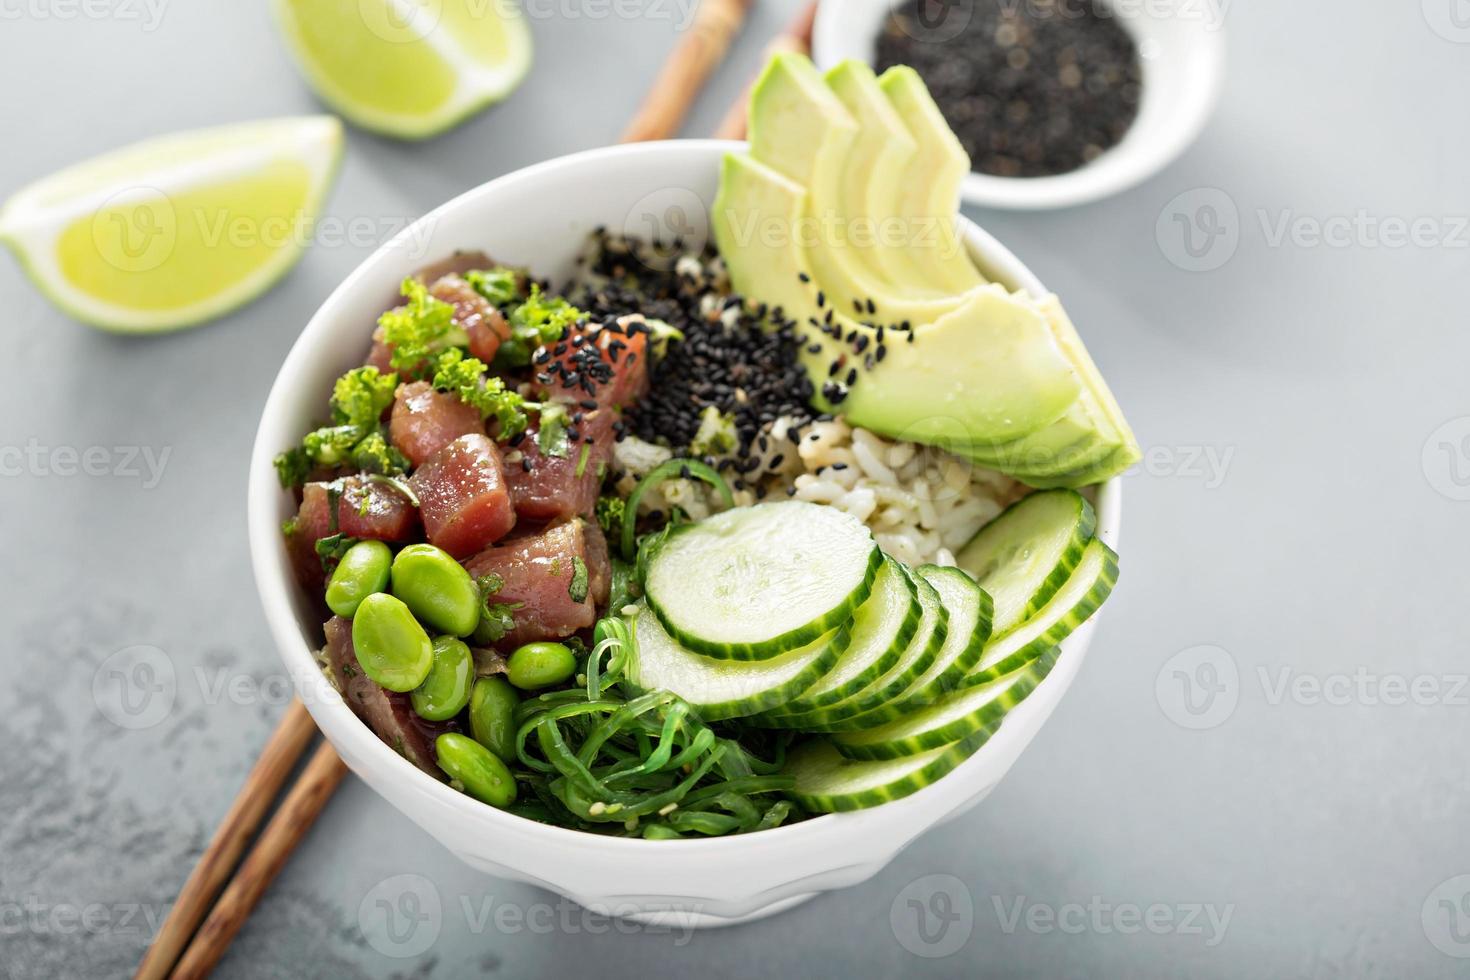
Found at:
<point>484,324</point>
<point>380,355</point>
<point>425,420</point>
<point>365,510</point>
<point>609,365</point>
<point>549,488</point>
<point>372,510</point>
<point>536,571</point>
<point>463,496</point>
<point>390,715</point>
<point>599,565</point>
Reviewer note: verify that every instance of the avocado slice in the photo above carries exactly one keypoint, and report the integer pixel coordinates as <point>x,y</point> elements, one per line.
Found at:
<point>1090,444</point>
<point>800,129</point>
<point>931,191</point>
<point>878,167</point>
<point>989,371</point>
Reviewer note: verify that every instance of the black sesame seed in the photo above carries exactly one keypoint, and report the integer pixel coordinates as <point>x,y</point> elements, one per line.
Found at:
<point>882,352</point>
<point>871,308</point>
<point>803,277</point>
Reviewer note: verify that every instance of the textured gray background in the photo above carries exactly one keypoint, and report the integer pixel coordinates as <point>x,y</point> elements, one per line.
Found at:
<point>1327,382</point>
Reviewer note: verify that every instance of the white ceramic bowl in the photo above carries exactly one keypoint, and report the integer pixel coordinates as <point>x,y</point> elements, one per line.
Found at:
<point>1183,47</point>
<point>540,217</point>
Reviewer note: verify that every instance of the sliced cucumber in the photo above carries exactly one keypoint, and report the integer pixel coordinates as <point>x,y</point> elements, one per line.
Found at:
<point>968,714</point>
<point>1090,585</point>
<point>1027,553</point>
<point>882,629</point>
<point>968,629</point>
<point>826,782</point>
<point>916,658</point>
<point>725,688</point>
<point>755,582</point>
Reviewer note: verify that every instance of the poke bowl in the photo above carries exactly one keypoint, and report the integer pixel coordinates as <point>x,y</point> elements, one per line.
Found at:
<point>540,218</point>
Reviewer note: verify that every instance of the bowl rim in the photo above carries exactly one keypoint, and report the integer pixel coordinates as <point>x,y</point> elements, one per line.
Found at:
<point>341,726</point>
<point>1130,165</point>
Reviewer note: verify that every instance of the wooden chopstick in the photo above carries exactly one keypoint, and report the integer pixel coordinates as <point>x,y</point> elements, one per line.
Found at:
<point>276,762</point>
<point>695,56</point>
<point>795,39</point>
<point>280,837</point>
<point>678,83</point>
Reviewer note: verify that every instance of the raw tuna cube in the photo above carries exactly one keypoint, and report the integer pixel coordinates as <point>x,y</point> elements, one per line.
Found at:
<point>372,510</point>
<point>474,314</point>
<point>599,565</point>
<point>365,510</point>
<point>548,488</point>
<point>605,363</point>
<point>425,420</point>
<point>388,714</point>
<point>537,571</point>
<point>463,496</point>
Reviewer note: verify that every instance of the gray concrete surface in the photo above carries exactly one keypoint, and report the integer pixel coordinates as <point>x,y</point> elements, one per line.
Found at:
<point>1261,770</point>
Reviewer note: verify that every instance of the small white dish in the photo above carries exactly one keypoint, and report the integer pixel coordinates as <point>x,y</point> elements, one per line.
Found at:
<point>540,217</point>
<point>1182,45</point>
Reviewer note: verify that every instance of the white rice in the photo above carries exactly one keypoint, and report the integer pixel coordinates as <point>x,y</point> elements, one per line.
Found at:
<point>923,504</point>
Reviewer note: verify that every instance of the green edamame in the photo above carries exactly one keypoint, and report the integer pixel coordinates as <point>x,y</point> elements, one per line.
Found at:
<point>446,691</point>
<point>492,716</point>
<point>475,769</point>
<point>538,665</point>
<point>362,571</point>
<point>392,647</point>
<point>437,588</point>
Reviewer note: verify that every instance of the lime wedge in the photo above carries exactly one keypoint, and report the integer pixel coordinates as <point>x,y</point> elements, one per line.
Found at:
<point>175,230</point>
<point>408,68</point>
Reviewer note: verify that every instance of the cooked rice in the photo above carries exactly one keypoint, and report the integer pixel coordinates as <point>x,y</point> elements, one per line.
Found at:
<point>922,503</point>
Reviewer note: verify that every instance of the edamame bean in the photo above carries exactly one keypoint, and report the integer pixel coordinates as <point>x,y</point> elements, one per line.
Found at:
<point>446,690</point>
<point>492,716</point>
<point>392,647</point>
<point>360,573</point>
<point>437,588</point>
<point>475,769</point>
<point>537,665</point>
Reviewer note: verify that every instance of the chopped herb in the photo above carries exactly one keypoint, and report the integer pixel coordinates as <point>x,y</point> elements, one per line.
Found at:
<point>420,328</point>
<point>551,437</point>
<point>577,589</point>
<point>361,396</point>
<point>500,286</point>
<point>331,549</point>
<point>375,454</point>
<point>496,619</point>
<point>582,460</point>
<point>292,467</point>
<point>465,377</point>
<point>609,512</point>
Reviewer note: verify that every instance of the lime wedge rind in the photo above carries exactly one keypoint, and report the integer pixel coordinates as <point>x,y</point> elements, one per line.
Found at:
<point>32,220</point>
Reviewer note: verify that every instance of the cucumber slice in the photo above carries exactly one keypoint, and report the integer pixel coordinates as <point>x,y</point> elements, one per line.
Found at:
<point>826,782</point>
<point>917,657</point>
<point>1087,589</point>
<point>968,714</point>
<point>720,689</point>
<point>968,629</point>
<point>882,629</point>
<point>756,582</point>
<point>1027,553</point>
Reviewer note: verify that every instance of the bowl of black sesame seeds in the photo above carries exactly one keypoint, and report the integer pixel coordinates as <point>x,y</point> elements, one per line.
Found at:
<point>1056,102</point>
